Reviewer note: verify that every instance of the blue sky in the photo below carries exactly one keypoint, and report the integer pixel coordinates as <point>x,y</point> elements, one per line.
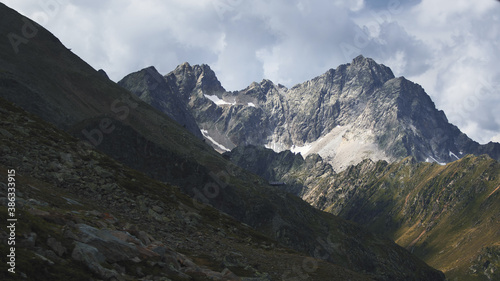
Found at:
<point>451,48</point>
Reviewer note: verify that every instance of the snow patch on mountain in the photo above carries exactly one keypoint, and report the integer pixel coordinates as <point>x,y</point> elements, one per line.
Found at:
<point>215,99</point>
<point>454,155</point>
<point>220,146</point>
<point>431,159</point>
<point>301,149</point>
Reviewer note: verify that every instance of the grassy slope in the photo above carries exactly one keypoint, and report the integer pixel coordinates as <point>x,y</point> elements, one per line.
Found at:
<point>447,215</point>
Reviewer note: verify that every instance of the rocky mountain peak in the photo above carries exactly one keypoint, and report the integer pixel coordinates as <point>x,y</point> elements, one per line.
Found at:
<point>147,83</point>
<point>152,77</point>
<point>151,87</point>
<point>367,68</point>
<point>196,78</point>
<point>185,66</point>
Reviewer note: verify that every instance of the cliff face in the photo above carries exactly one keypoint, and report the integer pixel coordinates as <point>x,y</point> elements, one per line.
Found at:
<point>294,173</point>
<point>150,87</point>
<point>357,111</point>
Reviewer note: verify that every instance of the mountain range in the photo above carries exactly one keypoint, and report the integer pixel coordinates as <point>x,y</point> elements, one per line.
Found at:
<point>120,181</point>
<point>348,114</point>
<point>359,143</point>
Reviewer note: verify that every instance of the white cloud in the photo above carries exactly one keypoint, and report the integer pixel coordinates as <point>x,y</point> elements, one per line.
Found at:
<point>449,47</point>
<point>495,138</point>
<point>463,77</point>
<point>356,5</point>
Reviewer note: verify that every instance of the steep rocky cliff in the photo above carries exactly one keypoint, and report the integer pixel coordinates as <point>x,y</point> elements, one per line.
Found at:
<point>348,114</point>
<point>150,86</point>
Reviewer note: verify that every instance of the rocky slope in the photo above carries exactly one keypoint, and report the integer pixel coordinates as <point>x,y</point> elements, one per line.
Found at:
<point>83,216</point>
<point>348,114</point>
<point>447,215</point>
<point>62,89</point>
<point>290,171</point>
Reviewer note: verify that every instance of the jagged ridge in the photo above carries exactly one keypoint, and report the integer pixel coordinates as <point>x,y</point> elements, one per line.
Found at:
<point>357,111</point>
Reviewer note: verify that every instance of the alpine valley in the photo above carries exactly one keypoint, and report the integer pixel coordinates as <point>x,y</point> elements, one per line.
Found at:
<point>126,181</point>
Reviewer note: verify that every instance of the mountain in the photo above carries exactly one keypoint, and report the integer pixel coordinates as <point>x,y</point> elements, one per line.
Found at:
<point>356,111</point>
<point>446,215</point>
<point>150,86</point>
<point>122,166</point>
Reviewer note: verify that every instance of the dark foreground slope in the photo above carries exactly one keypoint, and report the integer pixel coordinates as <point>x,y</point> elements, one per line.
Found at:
<point>47,79</point>
<point>83,216</point>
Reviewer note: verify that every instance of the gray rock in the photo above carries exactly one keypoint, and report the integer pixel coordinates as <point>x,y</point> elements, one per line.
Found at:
<point>56,246</point>
<point>93,259</point>
<point>144,237</point>
<point>109,245</point>
<point>36,202</point>
<point>158,209</point>
<point>155,215</point>
<point>72,201</point>
<point>6,133</point>
<point>45,259</point>
<point>101,172</point>
<point>87,253</point>
<point>30,241</point>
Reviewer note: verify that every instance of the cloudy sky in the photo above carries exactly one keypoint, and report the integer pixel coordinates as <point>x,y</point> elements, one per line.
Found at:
<point>450,47</point>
